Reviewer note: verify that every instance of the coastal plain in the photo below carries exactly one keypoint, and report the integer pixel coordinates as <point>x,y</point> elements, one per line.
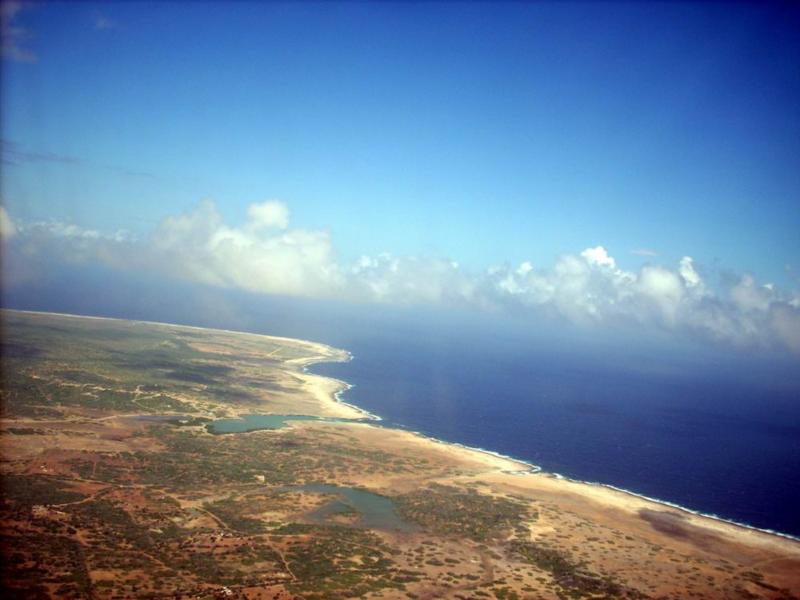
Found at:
<point>116,484</point>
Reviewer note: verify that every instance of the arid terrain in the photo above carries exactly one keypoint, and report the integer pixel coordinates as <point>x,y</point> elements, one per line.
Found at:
<point>113,486</point>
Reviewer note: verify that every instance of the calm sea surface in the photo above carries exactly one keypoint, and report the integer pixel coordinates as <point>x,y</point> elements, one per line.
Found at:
<point>699,440</point>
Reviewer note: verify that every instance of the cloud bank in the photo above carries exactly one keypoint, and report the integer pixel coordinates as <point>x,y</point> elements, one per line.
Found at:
<point>265,255</point>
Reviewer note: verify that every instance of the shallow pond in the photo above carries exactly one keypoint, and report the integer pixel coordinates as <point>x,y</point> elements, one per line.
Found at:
<point>256,422</point>
<point>375,511</point>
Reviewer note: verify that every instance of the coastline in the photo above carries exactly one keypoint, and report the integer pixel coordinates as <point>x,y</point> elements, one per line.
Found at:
<point>343,386</point>
<point>512,466</point>
<point>484,524</point>
<point>530,469</point>
<point>330,390</point>
<point>310,343</point>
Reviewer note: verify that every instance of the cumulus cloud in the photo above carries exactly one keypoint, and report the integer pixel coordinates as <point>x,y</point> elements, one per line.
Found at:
<point>261,256</point>
<point>598,256</point>
<point>266,255</point>
<point>691,279</point>
<point>409,280</point>
<point>268,214</point>
<point>749,297</point>
<point>663,288</point>
<point>14,36</point>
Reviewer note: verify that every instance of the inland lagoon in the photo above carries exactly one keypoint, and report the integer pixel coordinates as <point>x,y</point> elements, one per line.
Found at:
<point>256,422</point>
<point>374,511</point>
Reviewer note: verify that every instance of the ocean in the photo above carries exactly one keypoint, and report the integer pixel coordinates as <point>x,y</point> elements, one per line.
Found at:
<point>706,438</point>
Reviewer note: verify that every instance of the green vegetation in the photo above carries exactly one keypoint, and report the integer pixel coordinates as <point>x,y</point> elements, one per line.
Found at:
<point>31,560</point>
<point>29,490</point>
<point>462,512</point>
<point>570,577</point>
<point>113,366</point>
<point>230,513</point>
<point>339,562</point>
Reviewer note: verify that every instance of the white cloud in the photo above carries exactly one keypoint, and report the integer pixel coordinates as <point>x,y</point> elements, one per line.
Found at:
<point>262,256</point>
<point>14,37</point>
<point>266,255</point>
<point>785,321</point>
<point>268,214</point>
<point>691,278</point>
<point>409,280</point>
<point>663,288</point>
<point>587,289</point>
<point>749,297</point>
<point>644,252</point>
<point>598,256</point>
<point>7,227</point>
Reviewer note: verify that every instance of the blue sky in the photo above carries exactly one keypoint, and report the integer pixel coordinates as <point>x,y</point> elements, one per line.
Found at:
<point>482,133</point>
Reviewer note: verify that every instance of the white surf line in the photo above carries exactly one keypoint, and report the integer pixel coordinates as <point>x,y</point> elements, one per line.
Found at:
<point>347,386</point>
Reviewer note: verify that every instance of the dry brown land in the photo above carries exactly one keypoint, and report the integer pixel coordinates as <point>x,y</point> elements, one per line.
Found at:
<point>99,503</point>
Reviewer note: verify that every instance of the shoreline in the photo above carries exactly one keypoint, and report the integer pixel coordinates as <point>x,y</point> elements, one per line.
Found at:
<point>531,469</point>
<point>344,386</point>
<point>330,354</point>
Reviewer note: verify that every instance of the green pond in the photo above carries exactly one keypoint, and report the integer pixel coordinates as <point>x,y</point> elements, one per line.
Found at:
<point>375,511</point>
<point>256,422</point>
